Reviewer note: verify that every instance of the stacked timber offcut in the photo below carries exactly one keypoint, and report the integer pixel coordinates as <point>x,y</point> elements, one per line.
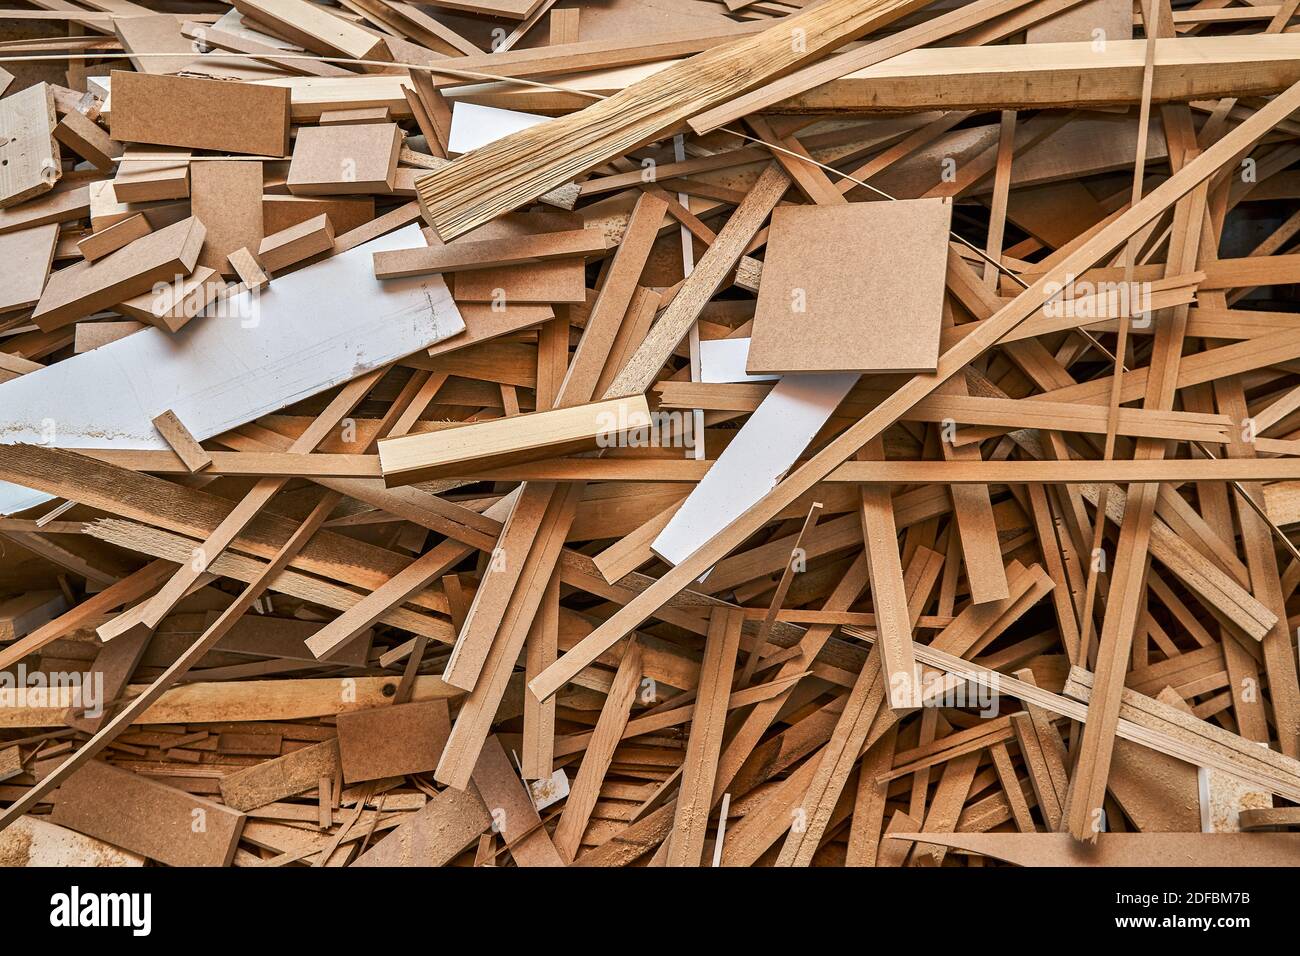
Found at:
<point>649,433</point>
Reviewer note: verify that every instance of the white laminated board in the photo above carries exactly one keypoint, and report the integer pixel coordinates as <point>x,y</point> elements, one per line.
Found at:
<point>761,453</point>
<point>255,353</point>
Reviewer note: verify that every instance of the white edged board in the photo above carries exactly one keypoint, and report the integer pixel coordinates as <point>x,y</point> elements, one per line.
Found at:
<point>251,355</point>
<point>761,453</point>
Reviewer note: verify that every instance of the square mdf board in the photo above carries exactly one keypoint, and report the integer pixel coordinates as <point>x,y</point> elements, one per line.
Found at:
<point>852,288</point>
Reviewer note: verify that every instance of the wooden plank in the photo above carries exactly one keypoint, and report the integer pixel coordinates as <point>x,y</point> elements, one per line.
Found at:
<point>29,154</point>
<point>344,159</point>
<point>704,746</point>
<point>489,253</point>
<point>285,776</point>
<point>147,817</point>
<point>517,438</point>
<point>105,241</point>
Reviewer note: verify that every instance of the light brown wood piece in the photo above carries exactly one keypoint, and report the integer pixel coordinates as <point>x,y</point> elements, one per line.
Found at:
<point>704,746</point>
<point>28,255</point>
<point>510,805</point>
<point>490,253</point>
<point>285,776</point>
<point>101,243</point>
<point>246,266</point>
<point>392,741</point>
<point>200,114</point>
<point>29,154</point>
<point>175,433</point>
<point>296,244</point>
<point>85,287</point>
<point>852,288</point>
<point>344,159</point>
<point>518,438</point>
<point>147,817</point>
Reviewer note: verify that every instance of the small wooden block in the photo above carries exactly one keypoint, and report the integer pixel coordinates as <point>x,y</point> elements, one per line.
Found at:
<point>27,256</point>
<point>152,174</point>
<point>249,272</point>
<point>99,244</point>
<point>296,244</point>
<point>346,213</point>
<point>341,160</point>
<point>471,449</point>
<point>170,305</point>
<point>146,817</point>
<point>182,442</point>
<point>392,741</point>
<point>88,140</point>
<point>852,288</point>
<point>29,154</point>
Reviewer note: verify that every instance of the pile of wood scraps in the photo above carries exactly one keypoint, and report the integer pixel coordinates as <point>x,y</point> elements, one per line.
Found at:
<point>650,433</point>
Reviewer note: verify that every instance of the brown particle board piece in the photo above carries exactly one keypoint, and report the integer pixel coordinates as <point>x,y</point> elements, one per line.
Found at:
<point>88,140</point>
<point>182,442</point>
<point>245,265</point>
<point>435,835</point>
<point>227,196</point>
<point>295,772</point>
<point>29,154</point>
<point>172,305</point>
<point>345,159</point>
<point>854,287</point>
<point>510,804</point>
<point>392,741</point>
<point>86,287</point>
<point>200,114</point>
<point>99,244</point>
<point>517,438</point>
<point>490,253</point>
<point>146,817</point>
<point>296,244</point>
<point>27,256</point>
<point>557,280</point>
<point>315,27</point>
<point>152,174</point>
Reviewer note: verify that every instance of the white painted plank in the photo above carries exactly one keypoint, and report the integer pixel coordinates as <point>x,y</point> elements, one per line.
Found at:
<point>760,454</point>
<point>306,332</point>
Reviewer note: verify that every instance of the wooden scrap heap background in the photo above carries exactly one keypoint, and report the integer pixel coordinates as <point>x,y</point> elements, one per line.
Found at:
<point>649,432</point>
